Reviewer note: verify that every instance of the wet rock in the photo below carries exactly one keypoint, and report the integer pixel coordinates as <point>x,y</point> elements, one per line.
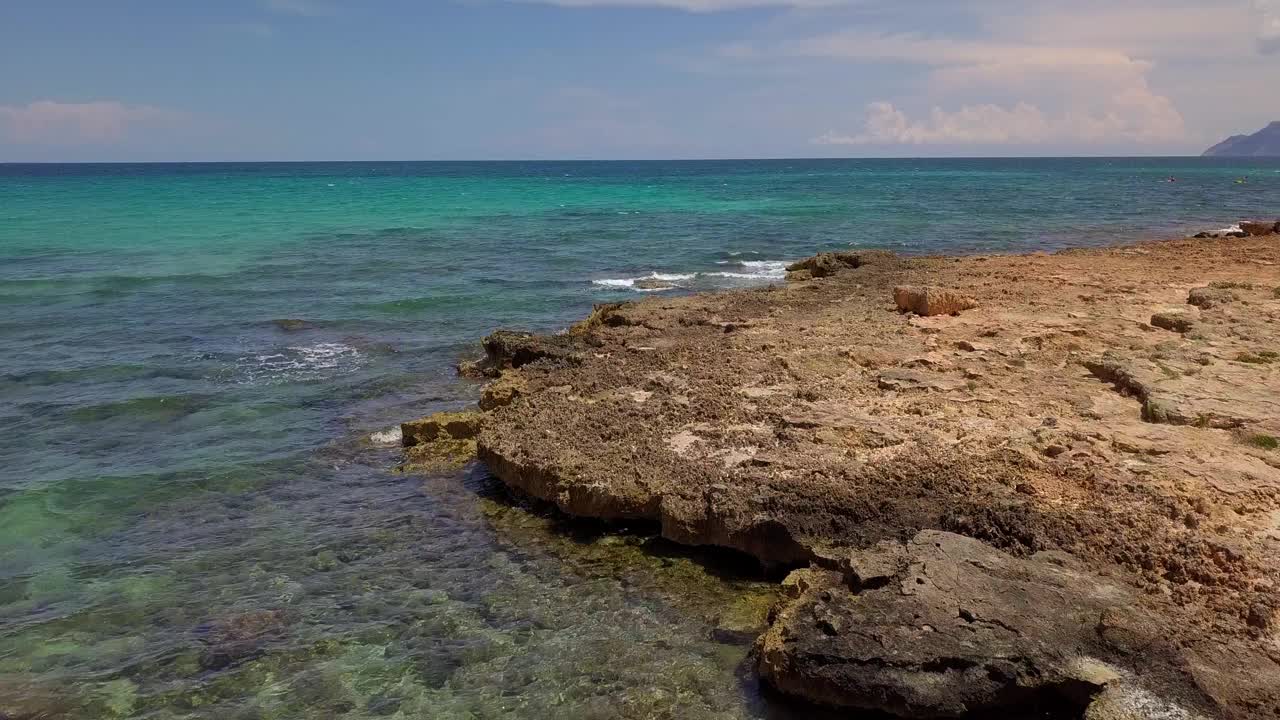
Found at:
<point>440,443</point>
<point>1207,297</point>
<point>1255,228</point>
<point>1174,320</point>
<point>827,264</point>
<point>927,300</point>
<point>441,426</point>
<point>954,627</point>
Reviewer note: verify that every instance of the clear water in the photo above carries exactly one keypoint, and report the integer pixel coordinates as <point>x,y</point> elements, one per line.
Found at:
<point>194,522</point>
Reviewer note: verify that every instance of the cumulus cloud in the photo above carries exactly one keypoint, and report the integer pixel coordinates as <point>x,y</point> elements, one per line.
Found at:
<point>1132,117</point>
<point>47,122</point>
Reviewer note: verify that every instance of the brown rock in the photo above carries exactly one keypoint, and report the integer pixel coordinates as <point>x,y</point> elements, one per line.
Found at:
<point>1175,321</point>
<point>1207,297</point>
<point>1255,228</point>
<point>503,391</point>
<point>826,264</point>
<point>927,300</point>
<point>441,426</point>
<point>951,627</point>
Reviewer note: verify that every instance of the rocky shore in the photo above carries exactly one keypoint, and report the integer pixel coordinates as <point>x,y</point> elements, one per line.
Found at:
<point>990,482</point>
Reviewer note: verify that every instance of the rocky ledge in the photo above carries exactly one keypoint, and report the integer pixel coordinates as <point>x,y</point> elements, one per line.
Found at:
<point>997,482</point>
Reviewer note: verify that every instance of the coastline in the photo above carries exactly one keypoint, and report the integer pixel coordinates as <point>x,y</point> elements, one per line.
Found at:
<point>1068,495</point>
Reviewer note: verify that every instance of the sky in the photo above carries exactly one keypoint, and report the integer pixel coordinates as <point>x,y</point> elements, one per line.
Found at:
<point>188,80</point>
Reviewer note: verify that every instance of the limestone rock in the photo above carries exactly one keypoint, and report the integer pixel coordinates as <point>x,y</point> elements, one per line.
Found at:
<point>953,627</point>
<point>1207,297</point>
<point>826,264</point>
<point>508,349</point>
<point>906,379</point>
<point>1174,320</point>
<point>441,426</point>
<point>927,300</point>
<point>503,391</point>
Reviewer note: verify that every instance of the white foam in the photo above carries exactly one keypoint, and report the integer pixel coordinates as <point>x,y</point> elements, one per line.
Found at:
<point>631,282</point>
<point>1232,229</point>
<point>390,436</point>
<point>299,362</point>
<point>751,270</point>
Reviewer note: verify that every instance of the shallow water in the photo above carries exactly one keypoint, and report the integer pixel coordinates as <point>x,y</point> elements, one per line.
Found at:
<point>195,523</point>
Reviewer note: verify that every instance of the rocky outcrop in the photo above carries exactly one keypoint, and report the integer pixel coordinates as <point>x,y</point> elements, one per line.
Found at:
<point>440,442</point>
<point>1257,228</point>
<point>1060,476</point>
<point>945,626</point>
<point>828,264</point>
<point>1174,320</point>
<point>926,300</point>
<point>506,350</point>
<point>1206,297</point>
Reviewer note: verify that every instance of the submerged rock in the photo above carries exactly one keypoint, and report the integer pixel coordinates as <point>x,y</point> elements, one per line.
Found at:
<point>239,637</point>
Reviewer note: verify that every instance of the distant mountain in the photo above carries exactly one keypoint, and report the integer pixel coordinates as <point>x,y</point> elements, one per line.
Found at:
<point>1264,143</point>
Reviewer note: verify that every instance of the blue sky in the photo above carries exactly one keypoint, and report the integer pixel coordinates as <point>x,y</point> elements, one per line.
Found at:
<point>95,80</point>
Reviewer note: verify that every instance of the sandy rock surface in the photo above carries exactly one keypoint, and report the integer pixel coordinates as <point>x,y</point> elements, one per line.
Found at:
<point>1083,469</point>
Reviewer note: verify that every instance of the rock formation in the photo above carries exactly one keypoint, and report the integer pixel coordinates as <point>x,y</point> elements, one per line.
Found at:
<point>1067,495</point>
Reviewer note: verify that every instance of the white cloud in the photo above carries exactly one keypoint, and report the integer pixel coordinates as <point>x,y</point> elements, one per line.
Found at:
<point>1132,117</point>
<point>47,122</point>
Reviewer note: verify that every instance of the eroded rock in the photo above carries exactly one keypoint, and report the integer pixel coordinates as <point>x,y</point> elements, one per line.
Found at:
<point>927,300</point>
<point>1207,297</point>
<point>1256,227</point>
<point>827,264</point>
<point>946,626</point>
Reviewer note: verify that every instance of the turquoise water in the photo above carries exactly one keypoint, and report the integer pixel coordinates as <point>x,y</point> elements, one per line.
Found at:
<point>196,520</point>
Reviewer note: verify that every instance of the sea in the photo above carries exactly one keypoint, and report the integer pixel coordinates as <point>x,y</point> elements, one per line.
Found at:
<point>203,367</point>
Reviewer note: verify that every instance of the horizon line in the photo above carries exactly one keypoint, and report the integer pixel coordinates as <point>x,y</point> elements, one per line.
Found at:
<point>636,160</point>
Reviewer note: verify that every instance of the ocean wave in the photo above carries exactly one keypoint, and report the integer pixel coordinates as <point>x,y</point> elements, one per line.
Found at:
<point>757,270</point>
<point>303,362</point>
<point>1228,230</point>
<point>630,283</point>
<point>390,436</point>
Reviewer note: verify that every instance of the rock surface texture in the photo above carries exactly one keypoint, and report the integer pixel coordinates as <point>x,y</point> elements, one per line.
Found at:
<point>1048,499</point>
